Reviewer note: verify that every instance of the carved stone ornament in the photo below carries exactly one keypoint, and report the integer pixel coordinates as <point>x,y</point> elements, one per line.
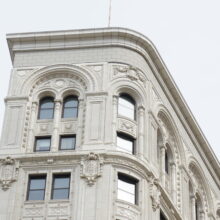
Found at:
<point>155,193</point>
<point>91,168</point>
<point>130,72</point>
<point>9,172</point>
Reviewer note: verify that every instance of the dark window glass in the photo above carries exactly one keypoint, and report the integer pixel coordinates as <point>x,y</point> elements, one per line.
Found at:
<point>162,217</point>
<point>46,109</point>
<point>125,143</point>
<point>42,144</point>
<point>70,107</point>
<point>67,142</point>
<point>127,188</point>
<point>36,187</point>
<point>126,106</point>
<point>61,186</point>
<point>166,163</point>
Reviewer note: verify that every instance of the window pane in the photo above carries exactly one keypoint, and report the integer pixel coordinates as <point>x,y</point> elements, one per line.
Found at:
<point>47,103</point>
<point>61,182</point>
<point>37,183</point>
<point>46,114</point>
<point>67,143</point>
<point>70,113</point>
<point>125,145</point>
<point>126,107</point>
<point>126,196</point>
<point>71,102</point>
<point>60,194</point>
<point>127,187</point>
<point>36,195</point>
<point>43,144</point>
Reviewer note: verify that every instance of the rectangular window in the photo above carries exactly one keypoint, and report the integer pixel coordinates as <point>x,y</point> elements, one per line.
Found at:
<point>67,142</point>
<point>36,187</point>
<point>127,188</point>
<point>125,143</point>
<point>42,143</point>
<point>61,186</point>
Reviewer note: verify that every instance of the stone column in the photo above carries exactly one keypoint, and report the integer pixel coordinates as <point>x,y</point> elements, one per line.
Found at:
<point>80,124</point>
<point>114,118</point>
<point>202,215</point>
<point>30,143</point>
<point>193,207</point>
<point>57,116</point>
<point>162,161</point>
<point>140,151</point>
<point>173,181</point>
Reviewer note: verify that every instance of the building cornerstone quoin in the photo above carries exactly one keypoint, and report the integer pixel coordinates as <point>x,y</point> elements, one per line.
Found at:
<point>96,129</point>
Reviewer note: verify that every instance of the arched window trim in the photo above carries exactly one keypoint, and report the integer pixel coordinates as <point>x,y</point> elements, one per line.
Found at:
<point>41,109</point>
<point>129,99</point>
<point>75,98</point>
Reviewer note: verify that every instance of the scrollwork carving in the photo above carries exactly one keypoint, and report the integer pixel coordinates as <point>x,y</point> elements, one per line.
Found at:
<point>155,193</point>
<point>91,168</point>
<point>130,72</point>
<point>9,172</point>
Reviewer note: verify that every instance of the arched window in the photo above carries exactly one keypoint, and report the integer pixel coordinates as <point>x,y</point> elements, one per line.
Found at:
<point>70,107</point>
<point>166,162</point>
<point>126,106</point>
<point>46,108</point>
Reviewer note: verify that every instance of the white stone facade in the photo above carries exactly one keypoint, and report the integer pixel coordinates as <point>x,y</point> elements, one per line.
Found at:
<point>97,66</point>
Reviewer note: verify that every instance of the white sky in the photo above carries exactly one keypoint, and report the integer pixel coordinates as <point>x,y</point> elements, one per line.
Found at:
<point>186,34</point>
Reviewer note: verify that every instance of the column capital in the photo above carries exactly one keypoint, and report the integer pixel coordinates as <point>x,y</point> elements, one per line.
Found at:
<point>57,101</point>
<point>141,108</point>
<point>115,99</point>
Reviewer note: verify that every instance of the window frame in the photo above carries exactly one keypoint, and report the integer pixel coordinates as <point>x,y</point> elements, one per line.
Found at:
<point>63,106</point>
<point>67,135</point>
<point>36,176</point>
<point>42,137</point>
<point>131,180</point>
<point>39,110</point>
<point>52,187</point>
<point>131,100</point>
<point>126,137</point>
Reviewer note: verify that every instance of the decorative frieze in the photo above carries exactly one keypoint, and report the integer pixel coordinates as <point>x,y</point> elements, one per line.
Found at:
<point>127,126</point>
<point>9,172</point>
<point>91,168</point>
<point>126,211</point>
<point>131,72</point>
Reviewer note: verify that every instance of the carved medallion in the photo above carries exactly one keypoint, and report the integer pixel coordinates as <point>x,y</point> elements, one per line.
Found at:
<point>9,172</point>
<point>91,168</point>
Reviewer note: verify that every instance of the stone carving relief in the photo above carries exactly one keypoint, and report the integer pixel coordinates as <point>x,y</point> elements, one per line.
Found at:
<point>155,193</point>
<point>127,126</point>
<point>58,81</point>
<point>69,127</point>
<point>58,209</point>
<point>91,168</point>
<point>130,72</point>
<point>127,213</point>
<point>9,172</point>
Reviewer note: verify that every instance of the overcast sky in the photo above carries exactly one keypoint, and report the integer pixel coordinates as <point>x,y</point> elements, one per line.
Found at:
<point>186,34</point>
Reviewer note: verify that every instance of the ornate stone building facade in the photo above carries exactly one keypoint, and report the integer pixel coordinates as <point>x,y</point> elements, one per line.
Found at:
<point>96,129</point>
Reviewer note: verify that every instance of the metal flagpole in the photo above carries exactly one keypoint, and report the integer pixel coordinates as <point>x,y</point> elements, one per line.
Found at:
<point>109,17</point>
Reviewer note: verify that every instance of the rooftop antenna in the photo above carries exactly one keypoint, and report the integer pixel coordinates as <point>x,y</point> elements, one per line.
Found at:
<point>110,10</point>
